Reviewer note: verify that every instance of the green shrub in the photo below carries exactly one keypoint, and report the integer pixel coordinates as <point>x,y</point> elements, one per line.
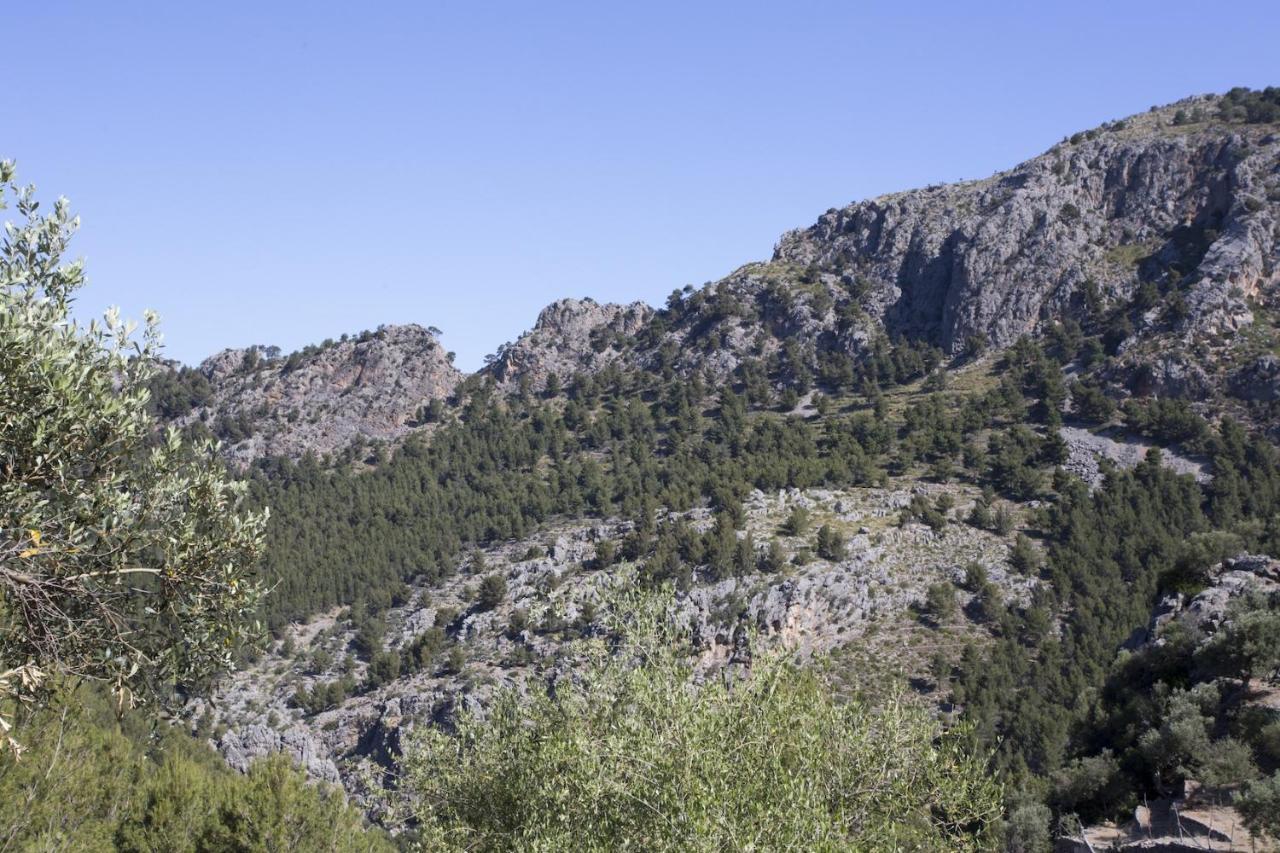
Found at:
<point>975,577</point>
<point>493,589</point>
<point>830,545</point>
<point>1253,106</point>
<point>384,668</point>
<point>940,602</point>
<point>1091,403</point>
<point>1027,829</point>
<point>126,561</point>
<point>797,522</point>
<point>90,782</point>
<point>630,754</point>
<point>1259,805</point>
<point>1024,557</point>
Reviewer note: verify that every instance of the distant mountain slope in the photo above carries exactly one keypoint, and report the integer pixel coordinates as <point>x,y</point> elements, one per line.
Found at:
<point>1188,205</point>
<point>1158,228</point>
<point>1159,231</point>
<point>942,437</point>
<point>1158,234</point>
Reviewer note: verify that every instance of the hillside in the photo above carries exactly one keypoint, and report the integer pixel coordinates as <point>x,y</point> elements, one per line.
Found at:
<point>964,441</point>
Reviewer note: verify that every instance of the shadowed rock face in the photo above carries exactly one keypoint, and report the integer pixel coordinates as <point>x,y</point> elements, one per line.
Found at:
<point>1259,380</point>
<point>995,258</point>
<point>368,387</point>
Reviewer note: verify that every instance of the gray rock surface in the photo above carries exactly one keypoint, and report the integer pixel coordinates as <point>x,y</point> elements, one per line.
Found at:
<point>570,335</point>
<point>369,387</point>
<point>1191,210</point>
<point>1259,380</point>
<point>998,257</point>
<point>241,747</point>
<point>815,608</point>
<point>1087,451</point>
<point>1207,610</point>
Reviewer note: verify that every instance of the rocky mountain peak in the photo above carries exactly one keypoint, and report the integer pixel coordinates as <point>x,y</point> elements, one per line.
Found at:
<point>570,335</point>
<point>1159,232</point>
<point>320,399</point>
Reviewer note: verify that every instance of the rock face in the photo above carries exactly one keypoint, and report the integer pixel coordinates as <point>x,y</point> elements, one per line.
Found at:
<point>1187,214</point>
<point>995,259</point>
<point>1259,380</point>
<point>242,747</point>
<point>369,387</point>
<point>570,335</point>
<point>1206,610</point>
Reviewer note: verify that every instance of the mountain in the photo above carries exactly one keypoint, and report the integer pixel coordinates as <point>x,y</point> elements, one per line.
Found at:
<point>964,440</point>
<point>1143,199</point>
<point>1158,231</point>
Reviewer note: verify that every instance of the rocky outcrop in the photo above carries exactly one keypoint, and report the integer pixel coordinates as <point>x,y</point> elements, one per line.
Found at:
<point>369,387</point>
<point>570,335</point>
<point>1088,452</point>
<point>1189,212</point>
<point>241,747</point>
<point>1205,611</point>
<point>1259,380</point>
<point>1200,818</point>
<point>998,258</point>
<point>1175,375</point>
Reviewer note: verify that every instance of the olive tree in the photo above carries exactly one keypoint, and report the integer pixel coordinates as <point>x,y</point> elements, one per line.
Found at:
<point>125,558</point>
<point>629,753</point>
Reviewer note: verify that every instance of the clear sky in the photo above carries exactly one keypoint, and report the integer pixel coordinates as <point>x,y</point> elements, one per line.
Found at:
<point>275,172</point>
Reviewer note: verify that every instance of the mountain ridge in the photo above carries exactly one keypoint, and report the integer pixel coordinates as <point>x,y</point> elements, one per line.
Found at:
<point>1159,229</point>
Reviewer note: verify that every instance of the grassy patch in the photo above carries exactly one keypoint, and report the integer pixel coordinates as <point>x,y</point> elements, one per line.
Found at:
<point>1130,255</point>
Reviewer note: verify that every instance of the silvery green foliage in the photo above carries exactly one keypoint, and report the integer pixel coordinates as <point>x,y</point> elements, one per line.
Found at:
<point>629,754</point>
<point>124,557</point>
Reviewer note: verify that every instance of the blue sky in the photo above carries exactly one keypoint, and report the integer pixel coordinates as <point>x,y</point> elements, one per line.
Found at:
<point>285,172</point>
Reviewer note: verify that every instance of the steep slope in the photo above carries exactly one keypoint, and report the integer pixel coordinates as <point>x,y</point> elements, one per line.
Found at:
<point>968,541</point>
<point>1159,228</point>
<point>998,258</point>
<point>452,652</point>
